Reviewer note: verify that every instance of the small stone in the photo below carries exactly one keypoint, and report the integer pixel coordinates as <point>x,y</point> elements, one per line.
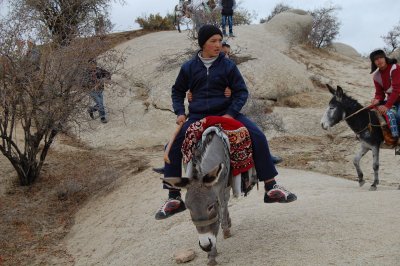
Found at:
<point>183,256</point>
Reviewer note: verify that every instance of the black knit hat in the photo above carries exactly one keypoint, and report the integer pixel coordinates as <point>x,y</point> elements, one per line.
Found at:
<point>206,32</point>
<point>379,53</point>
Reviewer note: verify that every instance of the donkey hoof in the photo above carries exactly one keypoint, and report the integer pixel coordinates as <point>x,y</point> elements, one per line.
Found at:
<point>227,234</point>
<point>361,183</point>
<point>373,188</point>
<point>212,262</point>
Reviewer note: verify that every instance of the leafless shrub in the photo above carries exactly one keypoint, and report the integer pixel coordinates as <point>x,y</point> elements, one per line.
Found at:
<point>238,55</point>
<point>279,8</point>
<point>68,189</point>
<point>212,16</point>
<point>392,39</point>
<point>263,116</point>
<point>42,87</point>
<point>325,26</point>
<point>243,16</point>
<point>168,62</point>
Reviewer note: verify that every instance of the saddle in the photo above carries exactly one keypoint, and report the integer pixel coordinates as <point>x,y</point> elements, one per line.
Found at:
<point>237,140</point>
<point>389,140</point>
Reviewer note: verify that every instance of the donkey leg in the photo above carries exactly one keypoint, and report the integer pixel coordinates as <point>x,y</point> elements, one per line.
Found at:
<point>227,197</point>
<point>224,213</point>
<point>212,256</point>
<point>356,161</point>
<point>375,166</point>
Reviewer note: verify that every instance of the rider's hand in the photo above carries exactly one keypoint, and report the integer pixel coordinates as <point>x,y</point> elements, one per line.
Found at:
<point>382,109</point>
<point>228,92</point>
<point>190,96</point>
<point>180,119</point>
<point>227,116</point>
<point>375,102</point>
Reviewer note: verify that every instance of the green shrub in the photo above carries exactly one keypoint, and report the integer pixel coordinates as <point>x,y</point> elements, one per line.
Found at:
<point>156,22</point>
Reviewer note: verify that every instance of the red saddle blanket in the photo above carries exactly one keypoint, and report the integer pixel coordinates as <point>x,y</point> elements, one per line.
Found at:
<point>241,152</point>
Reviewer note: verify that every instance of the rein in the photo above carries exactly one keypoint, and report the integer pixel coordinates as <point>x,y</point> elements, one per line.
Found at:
<point>203,223</point>
<point>359,111</point>
<point>369,126</point>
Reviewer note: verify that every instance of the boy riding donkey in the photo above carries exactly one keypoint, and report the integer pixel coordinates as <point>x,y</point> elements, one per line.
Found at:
<point>387,85</point>
<point>207,75</point>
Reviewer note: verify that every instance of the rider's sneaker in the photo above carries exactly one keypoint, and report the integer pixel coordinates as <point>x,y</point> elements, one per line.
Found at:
<point>170,207</point>
<point>276,159</point>
<point>279,194</point>
<point>159,170</point>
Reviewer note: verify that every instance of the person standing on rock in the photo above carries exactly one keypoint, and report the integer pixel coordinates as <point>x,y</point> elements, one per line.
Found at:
<point>208,74</point>
<point>227,7</point>
<point>387,85</point>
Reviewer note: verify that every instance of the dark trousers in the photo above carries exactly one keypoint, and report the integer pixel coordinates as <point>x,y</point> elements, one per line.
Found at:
<point>230,24</point>
<point>97,97</point>
<point>262,157</point>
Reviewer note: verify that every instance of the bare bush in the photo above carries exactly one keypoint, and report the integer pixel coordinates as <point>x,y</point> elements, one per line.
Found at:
<point>42,88</point>
<point>65,19</point>
<point>243,17</point>
<point>279,8</point>
<point>262,115</point>
<point>212,15</point>
<point>325,26</point>
<point>392,39</point>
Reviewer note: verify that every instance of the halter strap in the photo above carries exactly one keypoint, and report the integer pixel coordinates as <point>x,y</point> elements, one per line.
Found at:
<point>203,223</point>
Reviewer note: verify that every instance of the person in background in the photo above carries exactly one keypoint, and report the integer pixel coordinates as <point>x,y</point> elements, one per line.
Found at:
<point>95,80</point>
<point>227,7</point>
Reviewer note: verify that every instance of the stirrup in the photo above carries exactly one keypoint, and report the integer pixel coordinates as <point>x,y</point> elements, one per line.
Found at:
<point>397,150</point>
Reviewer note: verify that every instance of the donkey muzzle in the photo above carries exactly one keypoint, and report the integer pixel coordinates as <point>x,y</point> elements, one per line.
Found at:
<point>208,247</point>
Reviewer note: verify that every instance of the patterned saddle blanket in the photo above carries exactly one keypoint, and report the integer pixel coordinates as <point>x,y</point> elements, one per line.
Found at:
<point>241,152</point>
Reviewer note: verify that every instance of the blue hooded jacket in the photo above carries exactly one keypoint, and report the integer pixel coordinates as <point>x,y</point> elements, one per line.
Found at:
<point>208,88</point>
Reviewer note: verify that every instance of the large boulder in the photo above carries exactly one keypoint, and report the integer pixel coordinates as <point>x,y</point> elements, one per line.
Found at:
<point>294,24</point>
<point>395,54</point>
<point>345,50</point>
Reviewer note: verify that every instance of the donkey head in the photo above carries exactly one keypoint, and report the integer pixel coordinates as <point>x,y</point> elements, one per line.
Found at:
<point>208,174</point>
<point>335,111</point>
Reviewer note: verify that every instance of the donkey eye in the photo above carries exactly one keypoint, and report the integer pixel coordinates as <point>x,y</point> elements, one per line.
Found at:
<point>331,108</point>
<point>210,208</point>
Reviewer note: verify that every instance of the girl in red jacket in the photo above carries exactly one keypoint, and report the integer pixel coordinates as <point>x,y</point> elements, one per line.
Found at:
<point>387,88</point>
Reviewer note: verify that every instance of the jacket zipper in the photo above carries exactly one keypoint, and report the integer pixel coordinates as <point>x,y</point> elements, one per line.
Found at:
<point>208,72</point>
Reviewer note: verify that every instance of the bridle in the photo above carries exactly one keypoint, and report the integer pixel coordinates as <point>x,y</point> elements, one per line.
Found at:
<point>203,223</point>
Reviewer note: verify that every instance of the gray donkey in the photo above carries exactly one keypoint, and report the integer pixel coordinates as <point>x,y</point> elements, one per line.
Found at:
<point>208,190</point>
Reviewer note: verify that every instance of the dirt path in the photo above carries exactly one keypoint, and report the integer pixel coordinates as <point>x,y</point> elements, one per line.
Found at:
<point>332,216</point>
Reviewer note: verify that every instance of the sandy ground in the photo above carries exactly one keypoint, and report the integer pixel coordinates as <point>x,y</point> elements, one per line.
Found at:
<point>333,222</point>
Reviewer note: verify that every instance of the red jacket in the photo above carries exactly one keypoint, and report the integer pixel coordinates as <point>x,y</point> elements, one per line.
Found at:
<point>388,82</point>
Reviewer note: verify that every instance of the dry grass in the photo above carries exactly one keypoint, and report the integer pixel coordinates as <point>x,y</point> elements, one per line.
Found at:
<point>34,219</point>
<point>324,154</point>
<point>117,38</point>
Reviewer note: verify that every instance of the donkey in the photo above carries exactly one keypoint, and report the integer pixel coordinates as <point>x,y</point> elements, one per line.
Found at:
<point>363,122</point>
<point>208,191</point>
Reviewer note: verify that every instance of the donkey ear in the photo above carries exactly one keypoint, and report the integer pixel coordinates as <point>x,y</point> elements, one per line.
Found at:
<point>174,182</point>
<point>339,93</point>
<point>331,90</point>
<point>213,176</point>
